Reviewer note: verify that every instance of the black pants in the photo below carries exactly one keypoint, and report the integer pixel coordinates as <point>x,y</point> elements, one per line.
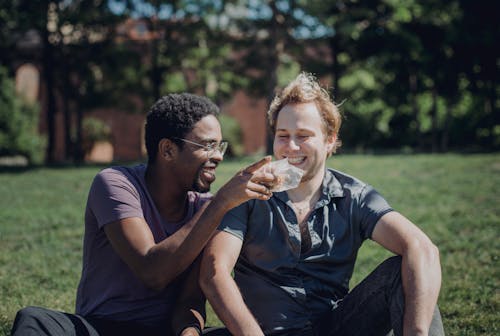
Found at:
<point>44,322</point>
<point>375,307</point>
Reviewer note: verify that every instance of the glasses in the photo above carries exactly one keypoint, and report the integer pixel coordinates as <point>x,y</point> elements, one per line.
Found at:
<point>210,148</point>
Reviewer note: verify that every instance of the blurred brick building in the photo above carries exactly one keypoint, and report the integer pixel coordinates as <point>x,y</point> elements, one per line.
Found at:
<point>127,129</point>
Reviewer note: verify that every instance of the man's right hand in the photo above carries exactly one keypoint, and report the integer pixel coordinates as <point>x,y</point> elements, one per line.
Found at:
<point>249,183</point>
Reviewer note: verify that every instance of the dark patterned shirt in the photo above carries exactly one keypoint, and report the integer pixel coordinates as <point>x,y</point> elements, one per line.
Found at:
<point>283,287</point>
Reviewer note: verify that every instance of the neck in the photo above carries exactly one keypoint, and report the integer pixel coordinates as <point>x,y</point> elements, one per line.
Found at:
<point>170,201</point>
<point>307,190</point>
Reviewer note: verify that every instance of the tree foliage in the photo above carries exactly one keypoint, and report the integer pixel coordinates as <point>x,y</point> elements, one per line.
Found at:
<point>18,123</point>
<point>411,75</point>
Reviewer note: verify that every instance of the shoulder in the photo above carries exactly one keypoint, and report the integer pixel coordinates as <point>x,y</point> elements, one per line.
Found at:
<point>115,172</point>
<point>118,177</point>
<point>341,183</point>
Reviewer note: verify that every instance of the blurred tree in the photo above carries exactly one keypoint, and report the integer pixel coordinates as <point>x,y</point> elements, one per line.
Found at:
<point>90,65</point>
<point>18,123</point>
<point>408,69</point>
<point>186,49</point>
<point>419,75</point>
<point>476,33</point>
<point>263,39</point>
<point>70,39</point>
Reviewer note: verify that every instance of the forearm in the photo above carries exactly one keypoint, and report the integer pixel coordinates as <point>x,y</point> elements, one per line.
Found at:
<point>227,302</point>
<point>169,258</point>
<point>421,276</point>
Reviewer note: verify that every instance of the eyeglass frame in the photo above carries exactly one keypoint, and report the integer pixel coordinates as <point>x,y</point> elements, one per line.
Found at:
<point>210,148</point>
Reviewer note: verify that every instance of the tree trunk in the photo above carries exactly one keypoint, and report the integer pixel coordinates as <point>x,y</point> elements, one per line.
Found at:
<point>66,83</point>
<point>79,154</point>
<point>68,142</point>
<point>274,61</point>
<point>415,110</point>
<point>334,49</point>
<point>445,135</point>
<point>48,69</point>
<point>434,122</point>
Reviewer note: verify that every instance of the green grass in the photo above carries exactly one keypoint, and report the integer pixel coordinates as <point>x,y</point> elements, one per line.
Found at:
<point>453,198</point>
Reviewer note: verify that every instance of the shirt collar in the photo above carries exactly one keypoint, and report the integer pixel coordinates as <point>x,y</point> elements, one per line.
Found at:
<point>331,188</point>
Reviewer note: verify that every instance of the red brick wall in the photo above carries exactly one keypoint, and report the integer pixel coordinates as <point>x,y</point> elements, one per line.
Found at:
<point>127,129</point>
<point>251,114</point>
<point>127,135</point>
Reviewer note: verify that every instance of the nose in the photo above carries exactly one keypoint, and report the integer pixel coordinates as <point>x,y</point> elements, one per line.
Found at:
<point>293,145</point>
<point>216,155</point>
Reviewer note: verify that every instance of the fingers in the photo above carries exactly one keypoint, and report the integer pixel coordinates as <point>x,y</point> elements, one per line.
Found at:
<point>266,179</point>
<point>258,188</point>
<point>255,166</point>
<point>255,190</point>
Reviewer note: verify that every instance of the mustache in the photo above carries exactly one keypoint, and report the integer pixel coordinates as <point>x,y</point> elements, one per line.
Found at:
<point>210,164</point>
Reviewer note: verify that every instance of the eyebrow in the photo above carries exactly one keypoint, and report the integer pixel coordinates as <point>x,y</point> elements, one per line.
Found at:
<point>298,130</point>
<point>208,140</point>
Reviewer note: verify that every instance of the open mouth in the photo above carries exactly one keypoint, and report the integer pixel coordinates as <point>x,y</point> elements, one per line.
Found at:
<point>296,160</point>
<point>208,174</point>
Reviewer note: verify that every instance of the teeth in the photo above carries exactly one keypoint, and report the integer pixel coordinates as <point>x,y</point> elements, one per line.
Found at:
<point>295,160</point>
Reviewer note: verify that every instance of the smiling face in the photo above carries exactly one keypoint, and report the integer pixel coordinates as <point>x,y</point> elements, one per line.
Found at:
<point>300,137</point>
<point>194,166</point>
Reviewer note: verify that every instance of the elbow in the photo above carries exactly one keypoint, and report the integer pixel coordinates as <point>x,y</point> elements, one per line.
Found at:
<point>153,281</point>
<point>206,281</point>
<point>157,276</point>
<point>153,278</point>
<point>431,253</point>
<point>427,252</point>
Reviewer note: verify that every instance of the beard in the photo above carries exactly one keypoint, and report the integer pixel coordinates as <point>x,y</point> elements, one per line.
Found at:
<point>199,185</point>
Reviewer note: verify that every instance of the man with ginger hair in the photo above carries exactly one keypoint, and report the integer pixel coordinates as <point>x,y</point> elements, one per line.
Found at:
<point>294,254</point>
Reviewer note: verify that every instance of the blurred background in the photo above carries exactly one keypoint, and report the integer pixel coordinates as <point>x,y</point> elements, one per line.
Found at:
<point>78,77</point>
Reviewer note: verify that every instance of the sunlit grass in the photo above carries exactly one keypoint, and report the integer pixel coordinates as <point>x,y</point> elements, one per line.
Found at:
<point>453,198</point>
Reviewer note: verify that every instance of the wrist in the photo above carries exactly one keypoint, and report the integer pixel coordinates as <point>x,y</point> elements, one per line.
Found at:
<point>222,202</point>
<point>191,330</point>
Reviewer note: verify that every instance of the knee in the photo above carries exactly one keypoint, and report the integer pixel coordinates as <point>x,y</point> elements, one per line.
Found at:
<point>24,321</point>
<point>29,312</point>
<point>28,319</point>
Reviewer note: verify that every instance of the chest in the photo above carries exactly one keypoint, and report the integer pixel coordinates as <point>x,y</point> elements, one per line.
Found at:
<point>275,240</point>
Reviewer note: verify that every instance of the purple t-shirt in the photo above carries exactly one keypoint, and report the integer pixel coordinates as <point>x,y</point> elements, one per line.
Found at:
<point>108,288</point>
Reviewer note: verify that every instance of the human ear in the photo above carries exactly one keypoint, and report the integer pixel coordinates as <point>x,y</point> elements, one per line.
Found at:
<point>167,149</point>
<point>330,143</point>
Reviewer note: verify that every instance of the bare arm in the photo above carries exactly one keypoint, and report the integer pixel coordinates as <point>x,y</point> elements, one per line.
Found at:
<point>218,261</point>
<point>421,269</point>
<point>157,264</point>
<point>190,306</point>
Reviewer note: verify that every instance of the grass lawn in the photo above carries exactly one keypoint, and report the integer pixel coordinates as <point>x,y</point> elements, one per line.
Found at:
<point>453,198</point>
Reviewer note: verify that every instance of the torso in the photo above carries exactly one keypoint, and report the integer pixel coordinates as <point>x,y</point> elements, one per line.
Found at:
<point>302,211</point>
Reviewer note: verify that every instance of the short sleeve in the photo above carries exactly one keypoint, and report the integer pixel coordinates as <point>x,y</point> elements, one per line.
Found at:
<point>236,221</point>
<point>371,207</point>
<point>201,199</point>
<point>113,197</point>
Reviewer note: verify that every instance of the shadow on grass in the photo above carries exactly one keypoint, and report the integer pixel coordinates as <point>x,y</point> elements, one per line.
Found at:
<point>64,165</point>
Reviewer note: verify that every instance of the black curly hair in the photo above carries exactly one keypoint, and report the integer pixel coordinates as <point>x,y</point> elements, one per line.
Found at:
<point>173,116</point>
